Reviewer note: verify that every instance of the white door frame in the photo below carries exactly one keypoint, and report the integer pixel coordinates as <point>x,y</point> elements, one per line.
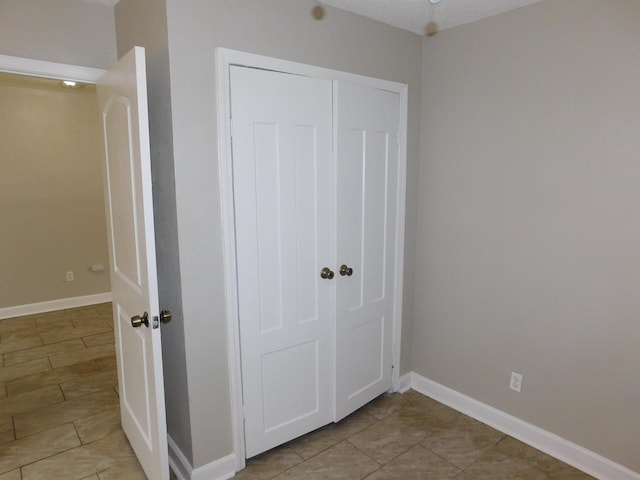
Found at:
<point>224,59</point>
<point>56,71</point>
<point>41,68</point>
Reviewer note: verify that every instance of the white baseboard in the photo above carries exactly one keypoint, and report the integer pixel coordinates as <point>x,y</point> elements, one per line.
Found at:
<point>221,469</point>
<point>404,383</point>
<point>52,305</point>
<point>177,461</point>
<point>550,443</point>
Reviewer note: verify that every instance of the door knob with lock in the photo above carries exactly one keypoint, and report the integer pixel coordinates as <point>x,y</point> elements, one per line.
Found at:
<point>165,316</point>
<point>345,270</point>
<point>138,321</point>
<point>326,273</point>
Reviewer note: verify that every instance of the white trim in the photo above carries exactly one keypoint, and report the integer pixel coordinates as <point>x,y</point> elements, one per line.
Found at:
<point>400,228</point>
<point>227,57</point>
<point>221,469</point>
<point>41,68</point>
<point>229,252</point>
<point>224,59</point>
<point>550,443</point>
<point>109,3</point>
<point>177,461</point>
<point>404,383</point>
<point>53,305</point>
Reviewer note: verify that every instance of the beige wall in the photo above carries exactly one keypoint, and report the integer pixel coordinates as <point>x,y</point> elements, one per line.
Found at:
<point>75,32</point>
<point>278,28</point>
<point>51,201</point>
<point>529,225</point>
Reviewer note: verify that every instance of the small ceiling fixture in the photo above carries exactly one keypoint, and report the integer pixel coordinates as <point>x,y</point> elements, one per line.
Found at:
<point>434,2</point>
<point>69,83</point>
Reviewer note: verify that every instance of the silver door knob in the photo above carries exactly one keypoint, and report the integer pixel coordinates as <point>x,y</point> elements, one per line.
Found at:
<point>326,273</point>
<point>345,270</point>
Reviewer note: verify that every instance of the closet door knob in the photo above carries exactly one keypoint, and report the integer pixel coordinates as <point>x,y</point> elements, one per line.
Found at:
<point>344,270</point>
<point>326,273</point>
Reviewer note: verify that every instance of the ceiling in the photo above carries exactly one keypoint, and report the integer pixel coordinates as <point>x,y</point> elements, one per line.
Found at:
<point>418,16</point>
<point>422,17</point>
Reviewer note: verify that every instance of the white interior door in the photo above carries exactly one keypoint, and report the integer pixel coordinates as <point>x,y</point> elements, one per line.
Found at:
<point>281,135</point>
<point>367,128</point>
<point>122,98</point>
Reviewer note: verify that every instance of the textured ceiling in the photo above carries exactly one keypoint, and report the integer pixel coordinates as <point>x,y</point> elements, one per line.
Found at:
<point>421,17</point>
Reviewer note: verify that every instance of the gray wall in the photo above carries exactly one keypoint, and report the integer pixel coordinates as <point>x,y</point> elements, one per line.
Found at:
<point>529,229</point>
<point>279,28</point>
<point>75,32</point>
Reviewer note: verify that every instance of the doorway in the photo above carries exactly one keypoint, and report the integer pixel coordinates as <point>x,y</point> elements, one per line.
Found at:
<point>80,274</point>
<point>115,160</point>
<point>59,382</point>
<point>51,192</point>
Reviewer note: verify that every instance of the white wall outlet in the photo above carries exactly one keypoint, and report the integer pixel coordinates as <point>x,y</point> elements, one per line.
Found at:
<point>516,382</point>
<point>69,276</point>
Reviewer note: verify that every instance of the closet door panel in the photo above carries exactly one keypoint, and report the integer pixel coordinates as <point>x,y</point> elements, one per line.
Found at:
<point>350,211</point>
<point>366,131</point>
<point>281,136</point>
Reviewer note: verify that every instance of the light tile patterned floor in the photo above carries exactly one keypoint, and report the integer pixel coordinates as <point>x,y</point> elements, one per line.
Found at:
<point>59,407</point>
<point>60,419</point>
<point>407,437</point>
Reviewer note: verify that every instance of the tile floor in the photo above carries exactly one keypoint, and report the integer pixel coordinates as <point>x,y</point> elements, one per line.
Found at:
<point>59,419</point>
<point>407,437</point>
<point>59,406</point>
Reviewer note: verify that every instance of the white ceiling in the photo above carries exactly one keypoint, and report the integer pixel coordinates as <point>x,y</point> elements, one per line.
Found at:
<point>418,16</point>
<point>421,17</point>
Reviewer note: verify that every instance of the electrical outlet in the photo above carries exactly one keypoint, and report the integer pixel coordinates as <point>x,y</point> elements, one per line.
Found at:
<point>69,276</point>
<point>516,382</point>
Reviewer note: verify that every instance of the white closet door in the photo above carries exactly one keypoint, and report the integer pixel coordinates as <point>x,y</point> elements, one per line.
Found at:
<point>281,134</point>
<point>367,126</point>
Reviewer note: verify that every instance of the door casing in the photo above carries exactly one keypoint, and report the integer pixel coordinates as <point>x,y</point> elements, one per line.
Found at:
<point>224,59</point>
<point>41,68</point>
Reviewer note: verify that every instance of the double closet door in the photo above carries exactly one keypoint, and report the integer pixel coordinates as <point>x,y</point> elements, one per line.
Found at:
<point>315,181</point>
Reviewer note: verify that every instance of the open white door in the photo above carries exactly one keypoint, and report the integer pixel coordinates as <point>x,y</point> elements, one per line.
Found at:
<point>122,99</point>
